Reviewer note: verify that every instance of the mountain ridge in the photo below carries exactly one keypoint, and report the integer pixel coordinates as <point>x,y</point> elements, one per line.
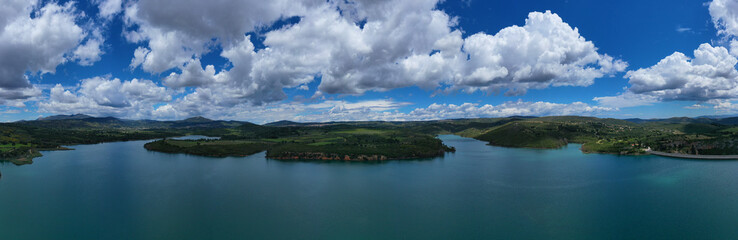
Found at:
<point>723,119</point>
<point>64,117</point>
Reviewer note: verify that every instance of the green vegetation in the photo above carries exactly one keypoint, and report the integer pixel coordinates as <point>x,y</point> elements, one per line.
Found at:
<point>355,141</point>
<point>687,136</point>
<point>596,135</point>
<point>18,154</point>
<point>359,144</point>
<point>332,142</point>
<point>212,148</point>
<point>21,141</point>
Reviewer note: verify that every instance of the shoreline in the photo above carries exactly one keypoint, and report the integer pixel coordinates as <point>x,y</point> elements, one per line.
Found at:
<point>301,156</point>
<point>329,157</point>
<point>692,156</point>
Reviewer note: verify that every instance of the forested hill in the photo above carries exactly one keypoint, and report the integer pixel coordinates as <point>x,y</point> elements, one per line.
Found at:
<point>23,139</point>
<point>285,139</point>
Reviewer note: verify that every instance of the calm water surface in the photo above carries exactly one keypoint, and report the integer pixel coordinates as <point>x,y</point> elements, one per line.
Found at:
<point>121,191</point>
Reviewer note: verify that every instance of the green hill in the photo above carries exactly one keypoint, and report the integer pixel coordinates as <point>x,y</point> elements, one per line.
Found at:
<point>365,140</point>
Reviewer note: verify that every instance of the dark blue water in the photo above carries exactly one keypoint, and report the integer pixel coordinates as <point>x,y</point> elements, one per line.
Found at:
<point>121,191</point>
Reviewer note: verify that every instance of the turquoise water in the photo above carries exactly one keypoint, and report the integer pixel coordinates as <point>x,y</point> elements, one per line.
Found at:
<point>121,191</point>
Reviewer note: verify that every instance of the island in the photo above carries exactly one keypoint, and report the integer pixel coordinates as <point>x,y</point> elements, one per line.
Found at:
<point>701,138</point>
<point>326,143</point>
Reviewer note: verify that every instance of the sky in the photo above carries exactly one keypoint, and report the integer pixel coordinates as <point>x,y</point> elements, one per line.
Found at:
<point>343,60</point>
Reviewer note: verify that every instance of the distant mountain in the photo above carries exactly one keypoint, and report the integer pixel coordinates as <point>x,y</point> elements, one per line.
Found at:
<point>81,121</point>
<point>675,120</point>
<point>728,121</point>
<point>283,123</point>
<point>719,116</point>
<point>636,120</point>
<point>64,117</point>
<point>197,119</point>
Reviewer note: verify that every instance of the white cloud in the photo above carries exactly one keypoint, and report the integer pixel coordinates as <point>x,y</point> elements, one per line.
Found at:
<point>710,77</point>
<point>392,50</point>
<point>89,52</point>
<point>36,44</point>
<point>17,97</point>
<point>176,30</point>
<point>348,58</point>
<point>192,75</point>
<point>451,111</point>
<point>422,49</point>
<point>101,96</point>
<point>166,112</point>
<point>512,108</point>
<point>721,106</point>
<point>711,74</point>
<point>109,8</point>
<point>12,10</point>
<point>353,47</point>
<point>40,43</point>
<point>626,99</point>
<point>367,110</point>
<point>696,106</point>
<point>165,50</point>
<point>544,52</point>
<point>683,29</point>
<point>725,16</point>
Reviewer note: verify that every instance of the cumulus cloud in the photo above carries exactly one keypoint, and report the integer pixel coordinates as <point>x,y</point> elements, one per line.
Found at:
<point>709,78</point>
<point>723,105</point>
<point>412,46</point>
<point>512,108</point>
<point>627,99</point>
<point>544,52</point>
<point>724,15</point>
<point>370,110</point>
<point>396,37</point>
<point>353,47</point>
<point>109,8</point>
<point>37,39</point>
<point>101,96</point>
<point>192,75</point>
<point>711,74</point>
<point>175,30</point>
<point>451,111</point>
<point>330,110</point>
<point>17,97</point>
<point>36,44</point>
<point>90,51</point>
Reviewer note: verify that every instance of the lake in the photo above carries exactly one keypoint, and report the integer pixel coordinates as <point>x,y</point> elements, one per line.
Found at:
<point>121,191</point>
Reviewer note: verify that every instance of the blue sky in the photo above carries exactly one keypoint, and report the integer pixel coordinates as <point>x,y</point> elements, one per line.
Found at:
<point>367,60</point>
